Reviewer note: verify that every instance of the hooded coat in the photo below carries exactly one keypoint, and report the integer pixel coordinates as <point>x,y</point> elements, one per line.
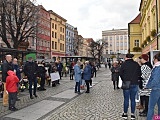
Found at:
<point>11,82</point>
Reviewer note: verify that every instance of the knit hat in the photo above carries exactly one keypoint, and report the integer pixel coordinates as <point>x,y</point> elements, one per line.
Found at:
<point>128,55</point>
<point>144,56</point>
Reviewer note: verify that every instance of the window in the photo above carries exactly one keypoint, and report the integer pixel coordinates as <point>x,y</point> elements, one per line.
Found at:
<point>125,37</point>
<point>52,34</point>
<point>60,36</point>
<point>63,47</point>
<point>136,43</point>
<point>53,25</point>
<point>60,29</point>
<point>117,37</point>
<point>110,38</point>
<point>121,37</point>
<point>55,35</point>
<point>117,44</point>
<point>60,46</point>
<point>55,45</point>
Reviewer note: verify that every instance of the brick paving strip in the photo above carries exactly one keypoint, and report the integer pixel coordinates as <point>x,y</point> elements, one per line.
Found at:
<point>61,103</point>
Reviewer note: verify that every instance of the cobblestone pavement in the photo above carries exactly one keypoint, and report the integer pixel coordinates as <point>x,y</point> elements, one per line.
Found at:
<point>102,103</point>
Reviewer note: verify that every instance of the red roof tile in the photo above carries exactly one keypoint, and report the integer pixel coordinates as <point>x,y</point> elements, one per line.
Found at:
<point>136,20</point>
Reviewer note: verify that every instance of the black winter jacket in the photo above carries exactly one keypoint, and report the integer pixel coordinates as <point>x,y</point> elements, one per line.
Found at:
<point>5,67</point>
<point>130,71</point>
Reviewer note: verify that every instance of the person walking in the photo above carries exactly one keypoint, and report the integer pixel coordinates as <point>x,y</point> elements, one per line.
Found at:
<point>130,71</point>
<point>154,84</point>
<point>30,70</point>
<point>115,74</point>
<point>6,66</point>
<point>87,73</point>
<point>12,88</point>
<point>77,76</point>
<point>146,69</point>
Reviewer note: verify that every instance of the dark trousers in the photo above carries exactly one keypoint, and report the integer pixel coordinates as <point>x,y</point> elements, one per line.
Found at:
<point>30,86</point>
<point>95,74</point>
<point>60,74</point>
<point>77,86</point>
<point>115,84</point>
<point>90,82</point>
<point>42,82</point>
<point>144,101</point>
<point>12,99</point>
<point>87,84</point>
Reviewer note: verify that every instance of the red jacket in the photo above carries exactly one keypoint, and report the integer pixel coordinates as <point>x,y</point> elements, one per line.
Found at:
<point>11,82</point>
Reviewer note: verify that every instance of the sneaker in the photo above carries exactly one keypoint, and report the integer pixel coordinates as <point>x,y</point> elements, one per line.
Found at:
<point>124,116</point>
<point>133,117</point>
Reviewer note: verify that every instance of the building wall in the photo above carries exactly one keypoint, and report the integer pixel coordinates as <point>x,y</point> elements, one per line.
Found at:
<point>135,38</point>
<point>43,34</point>
<point>117,40</point>
<point>69,40</point>
<point>58,36</point>
<point>148,23</point>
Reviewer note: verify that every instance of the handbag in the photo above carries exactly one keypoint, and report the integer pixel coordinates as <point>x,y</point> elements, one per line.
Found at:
<point>119,82</point>
<point>126,85</point>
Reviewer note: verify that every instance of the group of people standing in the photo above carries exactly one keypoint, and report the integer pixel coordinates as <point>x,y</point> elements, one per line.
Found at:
<point>86,74</point>
<point>144,81</point>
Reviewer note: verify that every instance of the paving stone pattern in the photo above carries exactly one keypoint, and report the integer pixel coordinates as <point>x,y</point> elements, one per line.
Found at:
<point>102,103</point>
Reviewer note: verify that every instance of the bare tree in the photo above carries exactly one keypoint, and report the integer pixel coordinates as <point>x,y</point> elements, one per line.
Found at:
<point>96,49</point>
<point>17,21</point>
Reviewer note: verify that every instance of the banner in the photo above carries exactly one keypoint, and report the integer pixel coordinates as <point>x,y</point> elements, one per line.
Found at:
<point>55,76</point>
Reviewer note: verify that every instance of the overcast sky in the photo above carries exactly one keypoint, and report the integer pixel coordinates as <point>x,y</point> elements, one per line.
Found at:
<point>91,17</point>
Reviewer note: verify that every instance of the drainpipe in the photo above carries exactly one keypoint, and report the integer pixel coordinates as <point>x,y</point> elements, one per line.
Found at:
<point>157,23</point>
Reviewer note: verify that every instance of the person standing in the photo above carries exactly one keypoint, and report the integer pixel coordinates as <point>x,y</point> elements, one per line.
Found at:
<point>115,74</point>
<point>77,76</point>
<point>30,70</point>
<point>130,71</point>
<point>17,71</point>
<point>146,69</point>
<point>87,73</point>
<point>11,87</point>
<point>6,66</point>
<point>42,75</point>
<point>154,84</point>
<point>59,66</point>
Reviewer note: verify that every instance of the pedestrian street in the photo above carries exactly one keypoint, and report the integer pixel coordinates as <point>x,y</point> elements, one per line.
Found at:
<point>61,103</point>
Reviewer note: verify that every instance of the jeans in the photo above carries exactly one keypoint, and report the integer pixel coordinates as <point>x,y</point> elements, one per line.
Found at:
<point>87,84</point>
<point>77,86</point>
<point>153,99</point>
<point>130,93</point>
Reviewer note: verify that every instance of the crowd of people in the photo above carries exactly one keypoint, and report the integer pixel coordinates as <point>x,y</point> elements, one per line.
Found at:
<point>40,72</point>
<point>144,83</point>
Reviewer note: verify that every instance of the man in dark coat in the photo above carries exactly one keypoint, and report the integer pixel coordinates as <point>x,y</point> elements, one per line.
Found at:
<point>30,70</point>
<point>6,66</point>
<point>130,71</point>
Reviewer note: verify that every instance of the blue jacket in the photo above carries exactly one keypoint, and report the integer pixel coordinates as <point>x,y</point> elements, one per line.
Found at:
<point>154,80</point>
<point>87,73</point>
<point>18,72</point>
<point>77,73</point>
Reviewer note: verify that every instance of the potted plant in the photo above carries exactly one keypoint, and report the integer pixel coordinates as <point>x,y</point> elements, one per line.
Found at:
<point>153,33</point>
<point>137,49</point>
<point>148,38</point>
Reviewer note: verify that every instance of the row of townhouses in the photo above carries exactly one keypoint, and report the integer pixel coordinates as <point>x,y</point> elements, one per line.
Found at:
<point>54,37</point>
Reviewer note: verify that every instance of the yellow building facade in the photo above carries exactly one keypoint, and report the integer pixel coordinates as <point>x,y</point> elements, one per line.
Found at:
<point>58,32</point>
<point>149,24</point>
<point>135,36</point>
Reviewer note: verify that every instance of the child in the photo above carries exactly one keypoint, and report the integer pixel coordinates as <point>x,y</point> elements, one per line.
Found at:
<point>11,87</point>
